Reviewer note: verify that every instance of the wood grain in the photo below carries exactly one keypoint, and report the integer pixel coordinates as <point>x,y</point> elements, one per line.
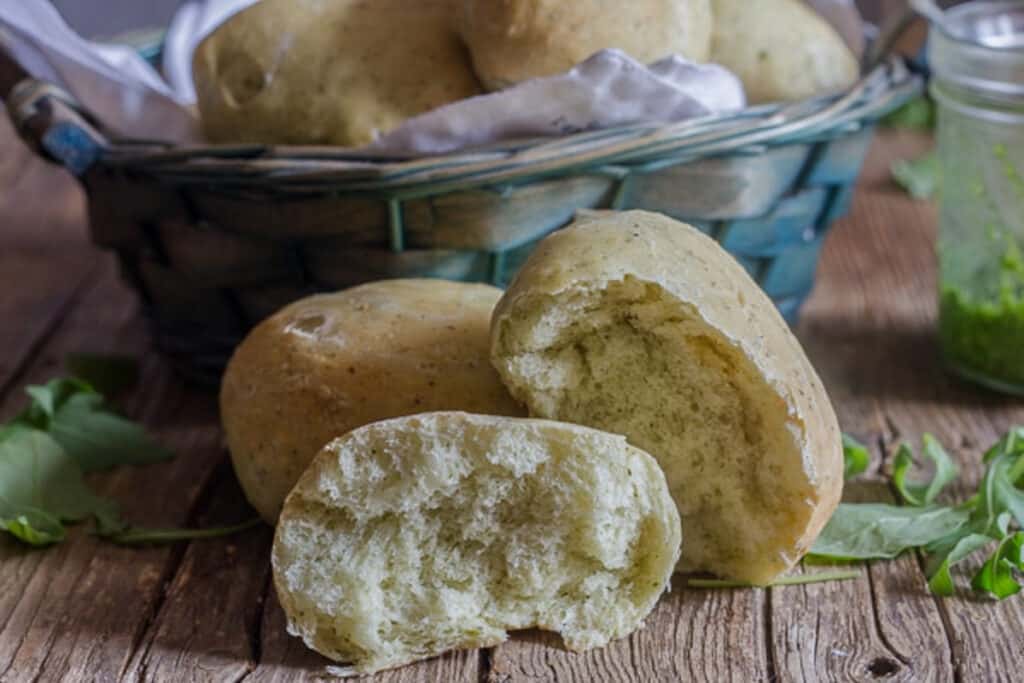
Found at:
<point>40,209</point>
<point>692,635</point>
<point>84,606</point>
<point>206,611</point>
<point>870,329</point>
<point>208,623</point>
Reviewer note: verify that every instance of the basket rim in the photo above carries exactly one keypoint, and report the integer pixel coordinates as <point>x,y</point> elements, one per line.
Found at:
<point>71,136</point>
<point>749,131</point>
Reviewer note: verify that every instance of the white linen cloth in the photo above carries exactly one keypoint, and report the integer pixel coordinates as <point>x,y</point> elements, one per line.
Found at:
<point>134,100</point>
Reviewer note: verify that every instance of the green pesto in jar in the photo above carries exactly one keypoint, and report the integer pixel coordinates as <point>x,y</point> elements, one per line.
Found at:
<point>985,339</point>
<point>977,58</point>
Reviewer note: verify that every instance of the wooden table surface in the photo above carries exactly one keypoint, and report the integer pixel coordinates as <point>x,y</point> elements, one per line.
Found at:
<point>85,610</point>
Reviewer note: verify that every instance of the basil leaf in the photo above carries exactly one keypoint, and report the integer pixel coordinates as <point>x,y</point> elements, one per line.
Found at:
<point>923,493</point>
<point>921,178</point>
<point>31,526</point>
<point>997,503</point>
<point>918,113</point>
<point>98,439</point>
<point>863,531</point>
<point>73,413</point>
<point>41,487</point>
<point>798,580</point>
<point>46,398</point>
<point>996,576</point>
<point>855,457</point>
<point>11,428</point>
<point>130,535</point>
<point>1011,443</point>
<point>957,549</point>
<point>998,493</point>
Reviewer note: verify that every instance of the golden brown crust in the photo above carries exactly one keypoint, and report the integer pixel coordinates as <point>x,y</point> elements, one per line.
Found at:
<point>696,271</point>
<point>781,49</point>
<point>515,40</point>
<point>329,363</point>
<point>338,72</point>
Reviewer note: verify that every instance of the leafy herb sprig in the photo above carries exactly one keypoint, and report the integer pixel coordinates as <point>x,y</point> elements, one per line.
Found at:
<point>67,430</point>
<point>946,534</point>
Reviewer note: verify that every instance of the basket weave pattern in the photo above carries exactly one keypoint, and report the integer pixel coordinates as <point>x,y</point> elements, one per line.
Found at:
<point>217,238</point>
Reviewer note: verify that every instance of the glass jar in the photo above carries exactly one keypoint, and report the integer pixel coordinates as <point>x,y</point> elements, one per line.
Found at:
<point>977,61</point>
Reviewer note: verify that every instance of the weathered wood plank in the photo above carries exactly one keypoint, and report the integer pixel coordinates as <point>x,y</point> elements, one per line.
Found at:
<point>692,635</point>
<point>285,659</point>
<point>42,270</point>
<point>208,624</point>
<point>221,621</point>
<point>871,331</point>
<point>81,608</point>
<point>41,205</point>
<point>85,610</point>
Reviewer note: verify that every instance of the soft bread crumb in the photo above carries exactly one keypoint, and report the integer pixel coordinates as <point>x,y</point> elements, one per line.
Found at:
<point>410,537</point>
<point>638,363</point>
<point>639,325</point>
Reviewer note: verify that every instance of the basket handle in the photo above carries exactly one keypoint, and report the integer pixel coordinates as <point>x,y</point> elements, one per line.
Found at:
<point>49,119</point>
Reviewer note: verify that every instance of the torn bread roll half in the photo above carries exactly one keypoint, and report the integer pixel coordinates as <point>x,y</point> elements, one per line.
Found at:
<point>413,536</point>
<point>332,362</point>
<point>640,325</point>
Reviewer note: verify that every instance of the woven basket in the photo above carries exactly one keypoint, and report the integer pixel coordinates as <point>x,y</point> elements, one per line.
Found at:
<point>216,238</point>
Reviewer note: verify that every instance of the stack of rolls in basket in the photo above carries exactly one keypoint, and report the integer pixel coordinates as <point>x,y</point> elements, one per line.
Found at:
<point>343,72</point>
<point>674,420</point>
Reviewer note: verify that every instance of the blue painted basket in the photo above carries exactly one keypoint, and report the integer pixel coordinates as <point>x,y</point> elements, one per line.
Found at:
<point>215,238</point>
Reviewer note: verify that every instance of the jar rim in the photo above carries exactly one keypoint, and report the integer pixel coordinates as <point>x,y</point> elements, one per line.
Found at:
<point>980,48</point>
<point>962,16</point>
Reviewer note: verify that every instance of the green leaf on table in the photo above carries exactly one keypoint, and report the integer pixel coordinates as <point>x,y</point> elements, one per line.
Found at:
<point>997,505</point>
<point>1011,444</point>
<point>997,575</point>
<point>67,430</point>
<point>1004,480</point>
<point>11,428</point>
<point>798,580</point>
<point>921,177</point>
<point>923,492</point>
<point>918,113</point>
<point>99,439</point>
<point>72,412</point>
<point>856,457</point>
<point>109,374</point>
<point>865,531</point>
<point>999,492</point>
<point>47,398</point>
<point>958,549</point>
<point>41,487</point>
<point>33,527</point>
<point>132,535</point>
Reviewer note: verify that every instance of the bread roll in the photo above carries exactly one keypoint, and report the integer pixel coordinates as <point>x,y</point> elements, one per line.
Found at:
<point>640,325</point>
<point>334,362</point>
<point>515,40</point>
<point>413,536</point>
<point>335,72</point>
<point>782,50</point>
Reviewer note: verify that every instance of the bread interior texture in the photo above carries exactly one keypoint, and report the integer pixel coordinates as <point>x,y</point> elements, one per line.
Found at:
<point>628,358</point>
<point>402,547</point>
